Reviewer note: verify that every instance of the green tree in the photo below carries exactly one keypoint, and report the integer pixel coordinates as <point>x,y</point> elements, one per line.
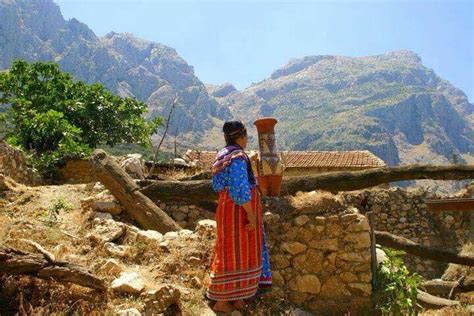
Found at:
<point>54,117</point>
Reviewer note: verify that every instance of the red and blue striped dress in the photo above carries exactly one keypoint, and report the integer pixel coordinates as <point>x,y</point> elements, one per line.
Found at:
<point>240,265</point>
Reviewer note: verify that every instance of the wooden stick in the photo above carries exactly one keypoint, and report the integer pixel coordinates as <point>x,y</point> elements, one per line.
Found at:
<point>392,241</point>
<point>430,301</point>
<point>13,261</point>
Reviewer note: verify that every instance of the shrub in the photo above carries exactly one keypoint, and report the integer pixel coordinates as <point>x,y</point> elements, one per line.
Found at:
<point>54,117</point>
<point>397,289</point>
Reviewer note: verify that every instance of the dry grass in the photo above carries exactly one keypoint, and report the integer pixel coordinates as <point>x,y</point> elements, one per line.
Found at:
<point>317,202</point>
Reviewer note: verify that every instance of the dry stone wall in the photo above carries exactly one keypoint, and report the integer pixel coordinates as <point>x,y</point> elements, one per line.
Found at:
<point>404,212</point>
<point>13,164</point>
<point>321,263</point>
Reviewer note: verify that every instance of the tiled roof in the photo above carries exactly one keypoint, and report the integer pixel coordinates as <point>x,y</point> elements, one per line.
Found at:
<point>306,159</point>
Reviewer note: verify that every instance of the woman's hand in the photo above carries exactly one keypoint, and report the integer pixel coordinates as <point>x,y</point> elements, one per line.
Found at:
<point>251,218</point>
<point>252,221</point>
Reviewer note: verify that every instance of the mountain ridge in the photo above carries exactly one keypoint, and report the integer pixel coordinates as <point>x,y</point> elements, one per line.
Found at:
<point>389,103</point>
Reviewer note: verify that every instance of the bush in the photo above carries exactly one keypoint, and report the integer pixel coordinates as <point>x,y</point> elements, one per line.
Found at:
<point>54,117</point>
<point>397,289</point>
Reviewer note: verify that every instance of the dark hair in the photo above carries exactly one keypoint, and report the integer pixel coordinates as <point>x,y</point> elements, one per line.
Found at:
<point>233,130</point>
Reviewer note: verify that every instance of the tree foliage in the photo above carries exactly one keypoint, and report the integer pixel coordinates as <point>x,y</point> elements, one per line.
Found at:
<point>54,117</point>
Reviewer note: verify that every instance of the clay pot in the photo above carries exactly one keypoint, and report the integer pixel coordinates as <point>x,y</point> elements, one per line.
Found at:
<point>269,165</point>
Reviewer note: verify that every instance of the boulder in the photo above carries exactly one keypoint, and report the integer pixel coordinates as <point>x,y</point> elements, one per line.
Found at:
<point>106,230</point>
<point>133,165</point>
<point>128,282</point>
<point>160,299</point>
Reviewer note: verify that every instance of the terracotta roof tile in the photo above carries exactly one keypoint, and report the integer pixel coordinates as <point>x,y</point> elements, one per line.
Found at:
<point>306,159</point>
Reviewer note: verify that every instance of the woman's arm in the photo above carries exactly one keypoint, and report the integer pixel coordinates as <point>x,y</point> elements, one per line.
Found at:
<point>239,188</point>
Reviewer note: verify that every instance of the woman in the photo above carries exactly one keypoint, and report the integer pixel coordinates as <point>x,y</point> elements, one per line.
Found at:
<point>240,265</point>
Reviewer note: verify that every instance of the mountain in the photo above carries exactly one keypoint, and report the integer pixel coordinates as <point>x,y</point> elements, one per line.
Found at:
<point>389,104</point>
<point>151,72</point>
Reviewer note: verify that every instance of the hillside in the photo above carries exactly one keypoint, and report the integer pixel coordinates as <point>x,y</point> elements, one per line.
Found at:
<point>150,72</point>
<point>390,104</point>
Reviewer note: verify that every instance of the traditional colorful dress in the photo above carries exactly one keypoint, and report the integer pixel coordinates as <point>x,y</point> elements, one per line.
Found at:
<point>240,265</point>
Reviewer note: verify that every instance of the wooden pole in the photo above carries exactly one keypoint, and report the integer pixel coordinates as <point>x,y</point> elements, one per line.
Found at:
<point>392,241</point>
<point>17,262</point>
<point>146,213</point>
<point>201,190</point>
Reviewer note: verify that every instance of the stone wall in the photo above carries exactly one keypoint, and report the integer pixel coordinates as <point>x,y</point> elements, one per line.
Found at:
<point>13,164</point>
<point>321,263</point>
<point>404,212</point>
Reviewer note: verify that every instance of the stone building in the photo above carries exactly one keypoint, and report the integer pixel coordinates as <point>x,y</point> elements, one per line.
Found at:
<point>305,162</point>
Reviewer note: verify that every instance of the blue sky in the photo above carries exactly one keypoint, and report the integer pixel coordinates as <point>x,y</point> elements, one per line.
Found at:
<point>245,41</point>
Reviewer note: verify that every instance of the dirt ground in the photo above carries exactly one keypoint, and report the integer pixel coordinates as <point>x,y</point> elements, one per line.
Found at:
<point>53,217</point>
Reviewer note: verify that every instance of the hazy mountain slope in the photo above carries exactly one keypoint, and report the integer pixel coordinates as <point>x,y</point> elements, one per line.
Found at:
<point>151,72</point>
<point>390,104</point>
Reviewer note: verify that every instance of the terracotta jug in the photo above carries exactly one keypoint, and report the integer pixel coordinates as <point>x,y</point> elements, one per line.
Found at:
<point>269,165</point>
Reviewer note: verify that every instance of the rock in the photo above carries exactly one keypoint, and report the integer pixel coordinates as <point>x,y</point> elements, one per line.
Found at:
<point>158,300</point>
<point>171,235</point>
<point>299,312</point>
<point>348,277</point>
<point>106,203</point>
<point>351,256</point>
<point>293,248</point>
<point>129,312</point>
<point>360,224</point>
<point>110,267</point>
<point>301,220</point>
<point>325,244</point>
<point>185,232</point>
<point>179,216</point>
<point>103,216</point>
<point>149,237</point>
<point>128,282</point>
<point>280,261</point>
<point>184,209</point>
<point>133,165</point>
<point>309,262</point>
<point>277,278</point>
<point>333,287</point>
<point>365,288</point>
<point>206,228</point>
<point>449,221</point>
<point>381,255</point>
<point>306,283</point>
<point>360,240</point>
<point>107,230</point>
<point>98,187</point>
<point>193,214</point>
<point>271,218</point>
<point>117,250</point>
<point>320,220</point>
